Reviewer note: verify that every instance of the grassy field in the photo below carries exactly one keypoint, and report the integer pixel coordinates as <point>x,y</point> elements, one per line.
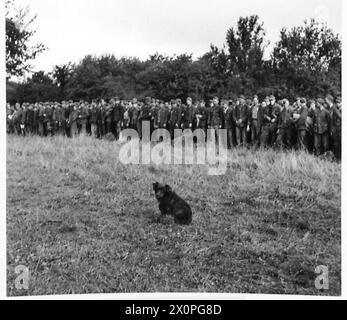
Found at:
<point>82,222</point>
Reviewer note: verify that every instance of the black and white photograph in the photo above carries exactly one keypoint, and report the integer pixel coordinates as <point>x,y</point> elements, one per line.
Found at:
<point>173,147</point>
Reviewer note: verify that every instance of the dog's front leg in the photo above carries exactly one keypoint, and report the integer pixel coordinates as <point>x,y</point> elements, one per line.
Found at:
<point>163,212</point>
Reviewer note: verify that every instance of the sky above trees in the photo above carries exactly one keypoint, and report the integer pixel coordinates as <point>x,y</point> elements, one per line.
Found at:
<point>73,29</point>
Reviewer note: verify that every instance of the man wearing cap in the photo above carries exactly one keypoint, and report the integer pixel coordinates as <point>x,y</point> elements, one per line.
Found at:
<point>163,115</point>
<point>73,121</point>
<point>29,119</point>
<point>47,118</point>
<point>187,114</point>
<point>216,116</point>
<point>175,117</point>
<point>201,116</point>
<point>108,116</point>
<point>285,121</point>
<point>67,111</point>
<point>133,115</point>
<point>155,109</point>
<point>300,120</point>
<point>255,121</point>
<point>336,128</point>
<point>145,115</point>
<point>240,116</point>
<point>118,117</point>
<point>94,120</point>
<point>321,121</point>
<point>19,119</point>
<point>229,124</point>
<point>9,118</point>
<point>269,128</point>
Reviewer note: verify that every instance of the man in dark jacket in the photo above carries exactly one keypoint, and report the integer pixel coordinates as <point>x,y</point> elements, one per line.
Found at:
<point>108,117</point>
<point>175,117</point>
<point>255,121</point>
<point>95,118</point>
<point>133,115</point>
<point>145,115</point>
<point>240,116</point>
<point>229,124</point>
<point>118,117</point>
<point>284,125</point>
<point>201,116</point>
<point>300,119</point>
<point>216,117</point>
<point>187,115</point>
<point>73,121</point>
<point>163,115</point>
<point>47,118</point>
<point>321,123</point>
<point>269,127</point>
<point>336,128</point>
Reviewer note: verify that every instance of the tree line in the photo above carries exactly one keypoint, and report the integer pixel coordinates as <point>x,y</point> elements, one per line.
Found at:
<point>306,61</point>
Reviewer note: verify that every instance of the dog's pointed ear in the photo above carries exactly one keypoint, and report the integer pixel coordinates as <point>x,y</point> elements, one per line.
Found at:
<point>155,185</point>
<point>168,188</point>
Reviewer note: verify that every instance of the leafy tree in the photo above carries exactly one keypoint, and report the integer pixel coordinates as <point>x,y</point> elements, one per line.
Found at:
<point>308,57</point>
<point>246,44</point>
<point>306,61</point>
<point>61,75</point>
<point>18,36</point>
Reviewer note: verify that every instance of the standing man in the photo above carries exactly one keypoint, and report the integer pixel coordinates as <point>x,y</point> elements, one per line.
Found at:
<point>163,115</point>
<point>240,116</point>
<point>187,115</point>
<point>108,117</point>
<point>94,119</point>
<point>255,121</point>
<point>201,116</point>
<point>145,115</point>
<point>285,120</point>
<point>216,116</point>
<point>229,124</point>
<point>47,118</point>
<point>73,121</point>
<point>300,118</point>
<point>336,128</point>
<point>133,115</point>
<point>268,132</point>
<point>118,117</point>
<point>321,121</point>
<point>175,117</point>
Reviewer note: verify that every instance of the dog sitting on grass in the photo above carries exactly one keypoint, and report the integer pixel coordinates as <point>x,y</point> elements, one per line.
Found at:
<point>171,204</point>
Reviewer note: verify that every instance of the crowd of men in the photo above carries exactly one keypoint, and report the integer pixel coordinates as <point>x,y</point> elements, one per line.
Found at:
<point>314,124</point>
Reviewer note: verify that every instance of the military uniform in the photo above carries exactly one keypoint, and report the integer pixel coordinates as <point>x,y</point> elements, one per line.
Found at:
<point>269,128</point>
<point>255,122</point>
<point>73,122</point>
<point>163,117</point>
<point>284,125</point>
<point>301,127</point>
<point>229,125</point>
<point>201,117</point>
<point>336,131</point>
<point>108,118</point>
<point>118,117</point>
<point>174,119</point>
<point>145,115</point>
<point>9,120</point>
<point>133,116</point>
<point>240,116</point>
<point>186,117</point>
<point>321,121</point>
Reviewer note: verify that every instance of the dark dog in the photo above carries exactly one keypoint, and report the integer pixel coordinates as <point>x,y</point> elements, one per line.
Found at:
<point>170,203</point>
